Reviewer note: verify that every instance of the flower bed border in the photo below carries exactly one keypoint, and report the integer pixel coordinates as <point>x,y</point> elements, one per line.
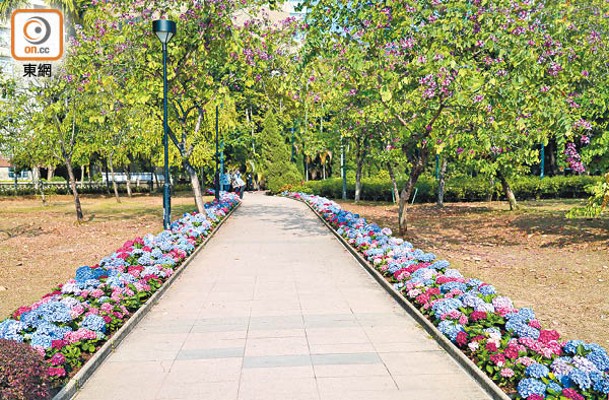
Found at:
<point>468,365</point>
<point>81,377</point>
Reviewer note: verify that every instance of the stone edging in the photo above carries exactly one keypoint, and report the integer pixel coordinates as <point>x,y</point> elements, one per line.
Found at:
<point>468,365</point>
<point>78,380</point>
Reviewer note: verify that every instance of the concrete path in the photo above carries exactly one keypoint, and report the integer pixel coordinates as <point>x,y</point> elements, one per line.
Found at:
<point>275,308</point>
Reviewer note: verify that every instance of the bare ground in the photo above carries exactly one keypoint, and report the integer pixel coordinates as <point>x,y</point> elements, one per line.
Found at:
<point>536,256</point>
<point>41,246</point>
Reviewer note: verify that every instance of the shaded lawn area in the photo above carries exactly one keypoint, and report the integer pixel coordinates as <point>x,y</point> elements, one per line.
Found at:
<point>536,256</point>
<point>41,246</point>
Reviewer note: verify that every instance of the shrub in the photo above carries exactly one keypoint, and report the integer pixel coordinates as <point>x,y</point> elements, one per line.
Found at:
<point>279,171</point>
<point>22,372</point>
<point>462,189</point>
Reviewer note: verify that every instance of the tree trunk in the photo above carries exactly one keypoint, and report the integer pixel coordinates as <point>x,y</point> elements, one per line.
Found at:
<point>16,179</point>
<point>442,183</point>
<point>417,169</point>
<point>89,173</point>
<point>114,185</point>
<point>196,187</point>
<point>394,183</point>
<point>42,195</point>
<point>36,177</point>
<point>50,173</point>
<point>358,178</point>
<point>507,190</point>
<point>156,178</point>
<point>79,216</point>
<point>128,173</point>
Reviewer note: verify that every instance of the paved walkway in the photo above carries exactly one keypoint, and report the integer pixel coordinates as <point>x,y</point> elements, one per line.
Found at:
<point>275,308</point>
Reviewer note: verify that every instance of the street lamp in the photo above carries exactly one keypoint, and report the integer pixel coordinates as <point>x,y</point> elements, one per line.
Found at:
<point>219,172</point>
<point>217,187</point>
<point>164,30</point>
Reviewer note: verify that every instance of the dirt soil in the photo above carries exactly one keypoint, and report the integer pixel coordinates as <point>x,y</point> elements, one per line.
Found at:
<point>536,256</point>
<point>41,246</point>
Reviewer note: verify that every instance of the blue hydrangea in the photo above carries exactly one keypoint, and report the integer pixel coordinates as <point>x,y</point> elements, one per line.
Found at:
<point>492,330</point>
<point>112,261</point>
<point>145,259</point>
<point>453,273</point>
<point>530,386</point>
<point>86,273</point>
<point>166,261</point>
<point>94,323</point>
<point>565,381</point>
<point>447,287</point>
<point>474,283</point>
<point>602,386</point>
<point>537,371</point>
<point>487,290</point>
<point>450,329</point>
<point>444,306</point>
<point>440,265</point>
<point>89,284</point>
<point>46,333</point>
<point>115,282</point>
<point>580,378</point>
<point>53,311</point>
<point>595,376</point>
<point>553,388</point>
<point>600,359</point>
<point>10,329</point>
<point>523,314</point>
<point>423,276</point>
<point>571,346</point>
<point>522,330</point>
<point>593,347</point>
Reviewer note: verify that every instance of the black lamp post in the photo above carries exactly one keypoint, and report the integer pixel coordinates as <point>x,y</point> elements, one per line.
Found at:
<point>164,30</point>
<point>217,188</point>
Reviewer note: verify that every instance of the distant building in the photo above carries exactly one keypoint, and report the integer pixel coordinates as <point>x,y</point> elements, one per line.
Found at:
<point>7,173</point>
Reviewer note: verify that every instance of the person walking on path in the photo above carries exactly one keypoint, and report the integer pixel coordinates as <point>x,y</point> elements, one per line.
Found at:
<point>238,183</point>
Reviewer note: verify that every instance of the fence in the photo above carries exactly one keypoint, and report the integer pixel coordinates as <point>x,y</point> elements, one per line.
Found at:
<point>28,188</point>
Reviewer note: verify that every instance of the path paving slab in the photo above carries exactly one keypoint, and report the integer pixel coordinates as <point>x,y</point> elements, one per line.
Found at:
<point>275,308</point>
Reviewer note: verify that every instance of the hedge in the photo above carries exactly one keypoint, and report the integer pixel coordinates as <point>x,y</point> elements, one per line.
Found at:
<point>462,189</point>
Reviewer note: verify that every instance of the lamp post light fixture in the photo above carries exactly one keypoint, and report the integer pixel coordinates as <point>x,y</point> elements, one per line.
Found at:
<point>165,30</point>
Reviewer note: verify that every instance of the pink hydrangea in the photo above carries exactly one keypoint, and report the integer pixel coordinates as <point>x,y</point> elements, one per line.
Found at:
<point>56,371</point>
<point>58,359</point>
<point>81,334</point>
<point>507,372</point>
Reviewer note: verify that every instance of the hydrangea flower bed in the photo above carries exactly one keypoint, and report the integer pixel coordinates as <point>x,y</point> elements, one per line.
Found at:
<point>507,343</point>
<point>69,324</point>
